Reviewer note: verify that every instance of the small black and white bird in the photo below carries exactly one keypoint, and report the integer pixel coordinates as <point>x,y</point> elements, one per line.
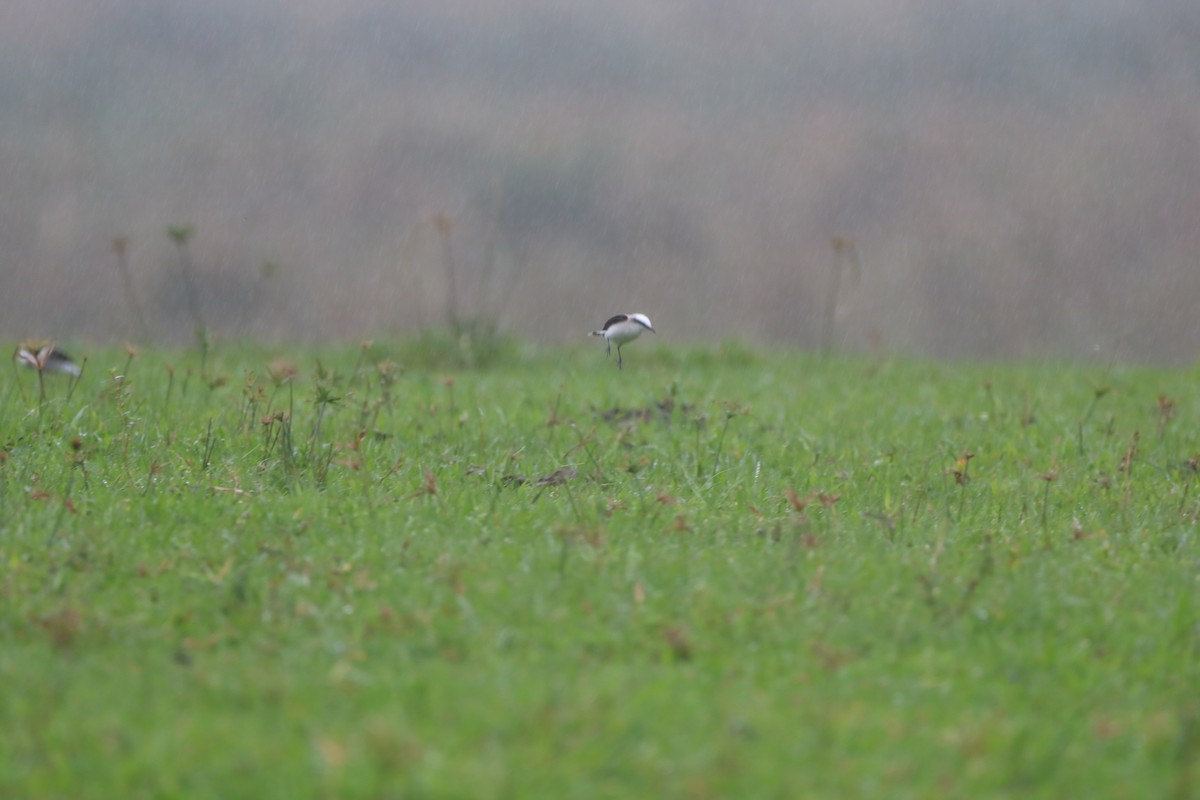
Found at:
<point>623,328</point>
<point>45,357</point>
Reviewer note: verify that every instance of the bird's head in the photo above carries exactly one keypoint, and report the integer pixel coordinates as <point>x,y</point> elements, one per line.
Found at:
<point>644,321</point>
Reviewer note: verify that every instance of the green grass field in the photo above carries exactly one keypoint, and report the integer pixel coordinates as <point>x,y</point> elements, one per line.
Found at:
<point>382,572</point>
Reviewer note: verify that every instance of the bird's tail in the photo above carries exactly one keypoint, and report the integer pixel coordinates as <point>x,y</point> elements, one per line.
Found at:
<point>597,333</point>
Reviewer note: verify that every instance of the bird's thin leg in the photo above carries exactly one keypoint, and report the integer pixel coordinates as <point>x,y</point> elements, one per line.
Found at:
<point>608,348</point>
<point>618,356</point>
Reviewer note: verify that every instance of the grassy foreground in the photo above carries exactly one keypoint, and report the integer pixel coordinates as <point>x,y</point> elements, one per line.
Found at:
<point>726,574</point>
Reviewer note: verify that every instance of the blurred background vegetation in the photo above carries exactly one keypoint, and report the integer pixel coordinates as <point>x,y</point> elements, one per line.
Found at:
<point>1014,179</point>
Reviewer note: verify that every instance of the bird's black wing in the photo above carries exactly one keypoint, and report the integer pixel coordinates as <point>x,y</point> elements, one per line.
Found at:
<point>614,320</point>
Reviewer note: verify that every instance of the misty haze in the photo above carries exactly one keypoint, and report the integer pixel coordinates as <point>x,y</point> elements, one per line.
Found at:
<point>1009,179</point>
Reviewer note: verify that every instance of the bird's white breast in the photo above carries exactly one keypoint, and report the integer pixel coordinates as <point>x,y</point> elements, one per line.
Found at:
<point>624,331</point>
